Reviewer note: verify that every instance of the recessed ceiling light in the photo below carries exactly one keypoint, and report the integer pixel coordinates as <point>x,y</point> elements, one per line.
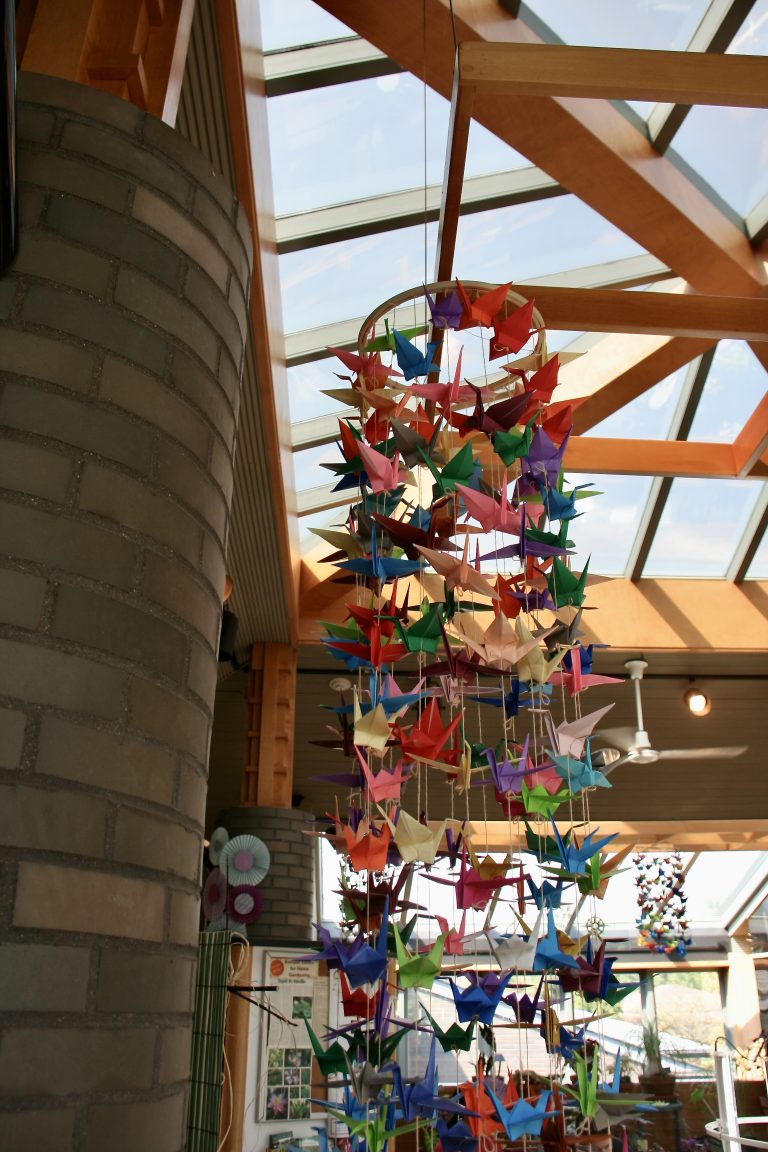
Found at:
<point>699,704</point>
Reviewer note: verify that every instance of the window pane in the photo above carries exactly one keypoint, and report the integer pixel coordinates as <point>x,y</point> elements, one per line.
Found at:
<point>734,387</point>
<point>290,23</point>
<point>604,535</point>
<point>537,239</point>
<point>629,24</point>
<point>647,417</point>
<point>700,527</point>
<point>350,278</point>
<point>349,141</point>
<point>727,145</point>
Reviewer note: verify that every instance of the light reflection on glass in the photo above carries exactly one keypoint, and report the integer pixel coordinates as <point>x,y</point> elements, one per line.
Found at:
<point>734,387</point>
<point>701,525</point>
<point>349,141</point>
<point>527,240</point>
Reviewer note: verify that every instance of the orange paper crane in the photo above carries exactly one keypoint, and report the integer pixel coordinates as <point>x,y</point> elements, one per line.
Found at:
<point>459,573</point>
<point>368,846</point>
<point>485,306</point>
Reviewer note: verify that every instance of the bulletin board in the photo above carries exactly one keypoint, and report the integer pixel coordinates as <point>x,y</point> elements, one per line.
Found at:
<point>288,1074</point>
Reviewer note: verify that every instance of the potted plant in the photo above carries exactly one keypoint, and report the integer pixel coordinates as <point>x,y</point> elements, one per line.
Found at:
<point>655,1079</point>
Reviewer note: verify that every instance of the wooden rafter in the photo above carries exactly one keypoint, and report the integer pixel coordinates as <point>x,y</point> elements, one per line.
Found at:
<point>613,74</point>
<point>686,314</point>
<point>752,441</point>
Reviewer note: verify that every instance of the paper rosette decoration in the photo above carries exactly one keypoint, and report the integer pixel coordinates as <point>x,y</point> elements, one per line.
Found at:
<point>244,860</point>
<point>245,903</point>
<point>219,837</point>
<point>215,895</point>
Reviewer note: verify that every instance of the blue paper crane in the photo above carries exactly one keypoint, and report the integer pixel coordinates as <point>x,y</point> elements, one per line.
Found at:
<point>363,964</point>
<point>523,1118</point>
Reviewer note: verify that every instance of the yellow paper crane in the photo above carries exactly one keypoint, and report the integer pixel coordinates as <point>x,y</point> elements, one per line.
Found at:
<point>414,840</point>
<point>534,665</point>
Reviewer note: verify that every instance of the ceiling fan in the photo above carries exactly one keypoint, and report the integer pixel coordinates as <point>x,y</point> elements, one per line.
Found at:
<point>628,746</point>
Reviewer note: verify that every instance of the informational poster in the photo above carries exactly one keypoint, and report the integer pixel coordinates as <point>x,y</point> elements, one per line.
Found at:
<point>300,995</point>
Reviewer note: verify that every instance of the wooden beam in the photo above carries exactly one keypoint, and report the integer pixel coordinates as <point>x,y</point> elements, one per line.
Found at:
<point>646,835</point>
<point>607,456</point>
<point>462,101</point>
<point>253,187</point>
<point>618,370</point>
<point>562,70</point>
<point>268,769</point>
<point>752,441</point>
<point>685,314</point>
<point>676,615</point>
<point>587,146</point>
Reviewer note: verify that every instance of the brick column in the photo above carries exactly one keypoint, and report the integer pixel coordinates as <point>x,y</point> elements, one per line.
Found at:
<point>121,348</point>
<point>288,887</point>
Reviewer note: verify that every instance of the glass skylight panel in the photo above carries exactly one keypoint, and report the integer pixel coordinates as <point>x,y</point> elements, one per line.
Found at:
<point>306,466</point>
<point>734,387</point>
<point>296,24</point>
<point>348,141</point>
<point>628,24</point>
<point>700,527</point>
<point>350,278</point>
<point>727,146</point>
<point>537,239</point>
<point>305,389</point>
<point>605,533</point>
<point>486,153</point>
<point>647,417</point>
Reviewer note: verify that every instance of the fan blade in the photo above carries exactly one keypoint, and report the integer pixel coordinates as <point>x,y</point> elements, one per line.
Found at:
<point>625,739</point>
<point>703,753</point>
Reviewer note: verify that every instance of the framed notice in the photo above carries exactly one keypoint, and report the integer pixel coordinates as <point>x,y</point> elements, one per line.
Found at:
<point>289,1076</point>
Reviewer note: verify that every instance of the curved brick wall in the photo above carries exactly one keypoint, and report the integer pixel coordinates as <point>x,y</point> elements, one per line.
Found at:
<point>121,347</point>
<point>288,887</point>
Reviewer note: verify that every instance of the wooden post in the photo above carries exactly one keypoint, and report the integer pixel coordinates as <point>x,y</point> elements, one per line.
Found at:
<point>268,769</point>
<point>233,1100</point>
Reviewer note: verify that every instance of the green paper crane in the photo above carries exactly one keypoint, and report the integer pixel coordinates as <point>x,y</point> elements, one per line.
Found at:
<point>515,443</point>
<point>379,1048</point>
<point>425,634</point>
<point>455,1038</point>
<point>566,587</point>
<point>420,970</point>
<point>459,470</point>
<point>372,1129</point>
<point>386,343</point>
<point>599,870</point>
<point>586,1080</point>
<point>330,1059</point>
<point>538,800</point>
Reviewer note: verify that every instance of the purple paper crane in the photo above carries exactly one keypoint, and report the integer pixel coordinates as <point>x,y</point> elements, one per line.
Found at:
<point>525,1007</point>
<point>508,775</point>
<point>543,463</point>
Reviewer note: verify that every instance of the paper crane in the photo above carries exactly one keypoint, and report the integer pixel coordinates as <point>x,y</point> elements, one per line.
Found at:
<point>512,332</point>
<point>446,313</point>
<point>517,951</point>
<point>361,963</point>
<point>419,970</point>
<point>526,1007</point>
<point>455,1038</point>
<point>549,953</point>
<point>414,840</point>
<point>411,359</point>
<point>579,774</point>
<point>367,846</point>
<point>523,1118</point>
<point>533,665</point>
<point>455,1137</point>
<point>419,1098</point>
<point>576,679</point>
<point>568,738</point>
<point>481,998</point>
<point>331,1059</point>
<point>457,573</point>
